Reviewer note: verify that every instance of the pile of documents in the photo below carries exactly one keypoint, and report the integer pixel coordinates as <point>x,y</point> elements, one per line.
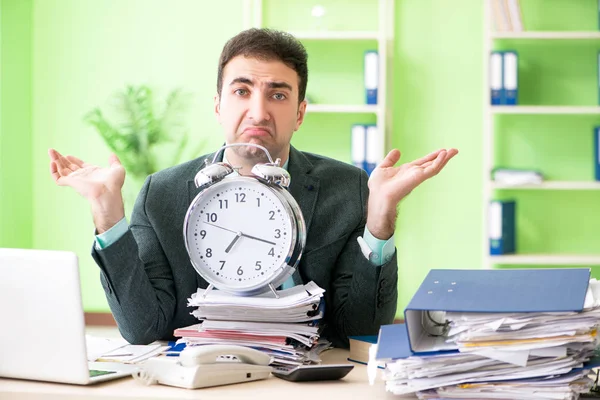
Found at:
<point>286,328</point>
<point>500,355</point>
<point>118,350</point>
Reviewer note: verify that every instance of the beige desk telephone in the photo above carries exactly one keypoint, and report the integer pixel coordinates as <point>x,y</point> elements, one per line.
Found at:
<point>207,365</point>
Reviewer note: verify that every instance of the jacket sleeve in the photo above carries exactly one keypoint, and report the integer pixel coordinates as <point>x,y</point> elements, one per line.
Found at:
<point>364,296</point>
<point>137,279</point>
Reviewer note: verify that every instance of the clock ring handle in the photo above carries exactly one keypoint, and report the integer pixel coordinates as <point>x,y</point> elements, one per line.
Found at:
<point>276,163</point>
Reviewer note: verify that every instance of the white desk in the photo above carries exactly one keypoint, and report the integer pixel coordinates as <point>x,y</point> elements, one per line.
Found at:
<point>354,386</point>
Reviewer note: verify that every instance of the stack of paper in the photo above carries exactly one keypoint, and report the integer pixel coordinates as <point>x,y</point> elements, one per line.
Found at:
<point>285,327</point>
<point>118,350</point>
<point>525,355</point>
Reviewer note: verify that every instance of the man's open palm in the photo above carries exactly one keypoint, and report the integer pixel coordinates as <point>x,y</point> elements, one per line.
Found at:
<point>90,181</point>
<point>391,184</point>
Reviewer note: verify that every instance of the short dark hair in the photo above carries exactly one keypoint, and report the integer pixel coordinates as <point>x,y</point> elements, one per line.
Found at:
<point>267,44</point>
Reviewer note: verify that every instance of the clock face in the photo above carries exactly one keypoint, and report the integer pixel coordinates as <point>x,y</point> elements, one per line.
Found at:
<point>239,234</point>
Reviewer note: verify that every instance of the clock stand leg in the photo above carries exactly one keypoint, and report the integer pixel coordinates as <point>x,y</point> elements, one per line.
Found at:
<point>208,289</point>
<point>273,290</point>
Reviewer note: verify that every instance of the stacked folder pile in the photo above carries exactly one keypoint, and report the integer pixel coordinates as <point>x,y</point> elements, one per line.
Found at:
<point>285,327</point>
<point>502,334</point>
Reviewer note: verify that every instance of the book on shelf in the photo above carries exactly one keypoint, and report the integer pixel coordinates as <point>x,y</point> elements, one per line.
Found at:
<point>507,15</point>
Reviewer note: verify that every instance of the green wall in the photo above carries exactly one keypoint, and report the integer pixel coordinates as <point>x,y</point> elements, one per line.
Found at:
<point>16,174</point>
<point>85,51</point>
<point>78,53</point>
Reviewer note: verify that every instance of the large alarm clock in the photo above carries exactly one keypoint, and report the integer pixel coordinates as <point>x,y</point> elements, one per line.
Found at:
<point>244,234</point>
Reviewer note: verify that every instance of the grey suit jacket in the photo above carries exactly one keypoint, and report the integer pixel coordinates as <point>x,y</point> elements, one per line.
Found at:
<point>147,275</point>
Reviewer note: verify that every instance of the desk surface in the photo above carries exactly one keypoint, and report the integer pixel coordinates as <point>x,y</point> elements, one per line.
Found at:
<point>354,385</point>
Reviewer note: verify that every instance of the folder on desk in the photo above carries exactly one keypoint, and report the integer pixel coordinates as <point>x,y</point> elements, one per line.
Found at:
<point>393,343</point>
<point>488,291</point>
<point>371,76</point>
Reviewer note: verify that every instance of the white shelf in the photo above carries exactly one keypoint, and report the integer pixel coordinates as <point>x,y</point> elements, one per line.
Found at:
<point>342,108</point>
<point>337,35</point>
<point>567,35</point>
<point>545,109</point>
<point>551,185</point>
<point>547,259</point>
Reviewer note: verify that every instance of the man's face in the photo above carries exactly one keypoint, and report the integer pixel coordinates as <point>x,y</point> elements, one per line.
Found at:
<point>259,104</point>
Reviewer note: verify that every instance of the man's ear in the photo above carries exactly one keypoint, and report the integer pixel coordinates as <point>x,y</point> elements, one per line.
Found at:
<point>217,103</point>
<point>301,113</point>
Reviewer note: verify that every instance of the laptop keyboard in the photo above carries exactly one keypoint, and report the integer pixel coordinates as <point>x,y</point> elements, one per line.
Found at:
<point>95,372</point>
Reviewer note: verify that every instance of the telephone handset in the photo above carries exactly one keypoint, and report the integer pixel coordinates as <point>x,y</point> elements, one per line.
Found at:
<point>207,365</point>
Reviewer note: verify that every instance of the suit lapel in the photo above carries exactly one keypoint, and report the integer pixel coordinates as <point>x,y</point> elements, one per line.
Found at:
<point>305,190</point>
<point>304,187</point>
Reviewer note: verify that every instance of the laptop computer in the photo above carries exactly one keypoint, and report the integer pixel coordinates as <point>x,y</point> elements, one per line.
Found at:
<point>43,330</point>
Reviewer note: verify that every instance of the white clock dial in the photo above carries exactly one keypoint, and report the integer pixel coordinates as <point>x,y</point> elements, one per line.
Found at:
<point>240,234</point>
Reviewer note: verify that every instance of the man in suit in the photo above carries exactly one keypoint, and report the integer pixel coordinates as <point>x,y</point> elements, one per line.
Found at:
<point>145,269</point>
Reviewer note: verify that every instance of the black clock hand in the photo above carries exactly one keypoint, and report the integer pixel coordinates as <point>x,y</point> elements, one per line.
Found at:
<point>235,239</point>
<point>217,226</point>
<point>255,238</point>
<point>241,234</point>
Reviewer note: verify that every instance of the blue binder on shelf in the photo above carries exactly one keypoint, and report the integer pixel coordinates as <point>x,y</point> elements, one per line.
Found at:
<point>597,152</point>
<point>510,73</point>
<point>496,86</point>
<point>598,74</point>
<point>359,145</point>
<point>488,291</point>
<point>374,148</point>
<point>371,71</point>
<point>502,227</point>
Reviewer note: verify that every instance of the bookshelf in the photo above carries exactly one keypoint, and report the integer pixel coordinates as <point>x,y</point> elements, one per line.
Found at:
<point>551,185</point>
<point>554,110</point>
<point>574,35</point>
<point>379,37</point>
<point>494,126</point>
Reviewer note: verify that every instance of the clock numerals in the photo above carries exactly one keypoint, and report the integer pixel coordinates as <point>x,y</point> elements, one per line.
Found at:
<point>272,252</point>
<point>223,204</point>
<point>271,215</point>
<point>211,217</point>
<point>240,271</point>
<point>203,233</point>
<point>222,265</point>
<point>258,201</point>
<point>277,233</point>
<point>209,252</point>
<point>258,266</point>
<point>240,197</point>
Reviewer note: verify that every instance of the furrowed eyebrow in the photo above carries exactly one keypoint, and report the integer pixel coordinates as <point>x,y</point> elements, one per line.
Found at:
<point>271,85</point>
<point>280,85</point>
<point>243,80</point>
